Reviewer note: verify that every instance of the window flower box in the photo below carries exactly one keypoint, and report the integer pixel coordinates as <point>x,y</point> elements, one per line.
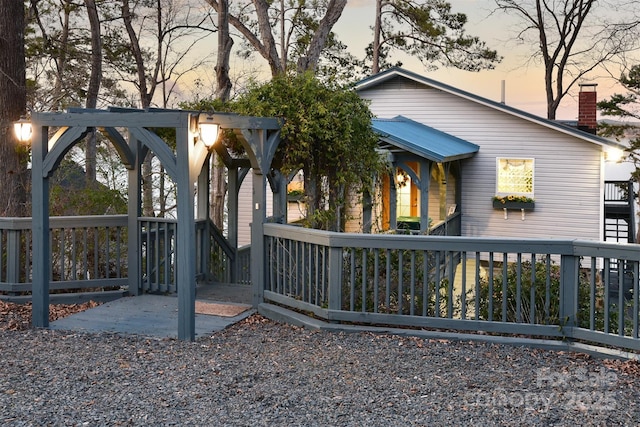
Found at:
<point>513,202</point>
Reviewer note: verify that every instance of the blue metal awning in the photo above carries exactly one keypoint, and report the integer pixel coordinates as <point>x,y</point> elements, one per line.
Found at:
<point>403,134</point>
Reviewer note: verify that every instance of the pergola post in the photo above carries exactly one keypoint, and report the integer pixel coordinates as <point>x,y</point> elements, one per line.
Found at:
<point>133,212</point>
<point>185,238</point>
<point>257,237</point>
<point>40,227</point>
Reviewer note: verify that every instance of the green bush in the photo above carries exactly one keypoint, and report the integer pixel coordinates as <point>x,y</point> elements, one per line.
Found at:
<point>538,300</point>
<point>413,295</point>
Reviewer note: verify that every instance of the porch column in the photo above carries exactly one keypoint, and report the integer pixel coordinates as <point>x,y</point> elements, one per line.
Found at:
<point>393,200</point>
<point>425,179</point>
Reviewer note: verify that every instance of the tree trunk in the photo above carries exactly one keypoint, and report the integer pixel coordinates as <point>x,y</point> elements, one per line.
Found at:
<point>225,43</point>
<point>218,183</point>
<point>94,87</point>
<point>13,101</point>
<point>310,60</point>
<point>218,192</point>
<point>375,62</point>
<point>145,100</point>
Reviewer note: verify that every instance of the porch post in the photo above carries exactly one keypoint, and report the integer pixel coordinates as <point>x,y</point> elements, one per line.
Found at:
<point>185,239</point>
<point>40,227</point>
<point>570,265</point>
<point>367,205</point>
<point>393,200</point>
<point>425,180</point>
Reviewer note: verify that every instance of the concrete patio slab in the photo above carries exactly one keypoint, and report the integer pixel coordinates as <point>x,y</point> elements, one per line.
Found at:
<point>147,315</point>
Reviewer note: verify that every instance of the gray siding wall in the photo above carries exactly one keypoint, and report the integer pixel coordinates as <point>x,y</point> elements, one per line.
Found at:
<point>568,171</point>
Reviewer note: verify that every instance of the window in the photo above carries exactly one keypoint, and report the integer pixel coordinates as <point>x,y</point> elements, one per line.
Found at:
<point>514,176</point>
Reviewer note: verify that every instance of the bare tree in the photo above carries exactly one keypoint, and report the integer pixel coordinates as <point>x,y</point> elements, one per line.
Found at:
<point>13,100</point>
<point>571,38</point>
<point>302,29</point>
<point>154,29</point>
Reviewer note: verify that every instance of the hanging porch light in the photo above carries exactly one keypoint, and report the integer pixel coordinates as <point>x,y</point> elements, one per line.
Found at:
<point>22,129</point>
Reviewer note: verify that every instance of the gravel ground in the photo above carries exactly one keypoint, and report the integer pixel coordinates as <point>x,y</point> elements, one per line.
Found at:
<point>260,373</point>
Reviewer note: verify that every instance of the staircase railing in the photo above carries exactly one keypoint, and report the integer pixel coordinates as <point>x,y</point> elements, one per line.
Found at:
<point>620,217</point>
<point>216,257</point>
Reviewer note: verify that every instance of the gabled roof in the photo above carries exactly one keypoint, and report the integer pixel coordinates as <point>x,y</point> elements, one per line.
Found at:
<point>394,72</point>
<point>403,134</point>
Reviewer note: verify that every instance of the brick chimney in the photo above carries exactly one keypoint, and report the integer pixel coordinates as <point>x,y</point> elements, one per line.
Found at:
<point>587,99</point>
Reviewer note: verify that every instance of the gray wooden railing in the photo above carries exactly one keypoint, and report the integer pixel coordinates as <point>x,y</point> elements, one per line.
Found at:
<point>87,253</point>
<point>555,288</point>
<point>157,254</point>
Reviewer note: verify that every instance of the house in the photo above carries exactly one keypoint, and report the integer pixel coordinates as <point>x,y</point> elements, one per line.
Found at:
<point>472,149</point>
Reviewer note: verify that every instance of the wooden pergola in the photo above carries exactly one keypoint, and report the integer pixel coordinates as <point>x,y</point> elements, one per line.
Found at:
<point>188,166</point>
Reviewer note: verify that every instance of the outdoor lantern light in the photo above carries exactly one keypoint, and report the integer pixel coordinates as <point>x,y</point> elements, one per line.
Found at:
<point>614,155</point>
<point>208,130</point>
<point>22,128</point>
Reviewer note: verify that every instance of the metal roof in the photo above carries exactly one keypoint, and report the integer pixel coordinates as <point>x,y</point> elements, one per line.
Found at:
<point>402,134</point>
<point>394,72</point>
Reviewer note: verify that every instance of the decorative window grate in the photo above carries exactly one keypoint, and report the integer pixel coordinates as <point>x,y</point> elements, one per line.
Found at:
<point>515,176</point>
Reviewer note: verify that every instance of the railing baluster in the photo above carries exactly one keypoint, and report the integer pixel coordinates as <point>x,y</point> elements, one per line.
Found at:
<point>635,290</point>
<point>519,288</point>
<point>607,276</point>
<point>505,276</point>
<point>437,284</point>
<point>96,252</point>
<point>413,284</point>
<point>463,287</point>
<point>376,279</point>
<point>364,280</point>
<point>400,279</point>
<point>547,300</point>
<point>592,295</point>
<point>352,273</point>
<point>622,272</point>
<point>426,295</point>
<point>490,286</point>
<point>451,277</point>
<point>532,296</point>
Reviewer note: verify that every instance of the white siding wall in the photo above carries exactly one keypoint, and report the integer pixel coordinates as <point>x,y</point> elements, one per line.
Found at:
<point>245,211</point>
<point>568,171</point>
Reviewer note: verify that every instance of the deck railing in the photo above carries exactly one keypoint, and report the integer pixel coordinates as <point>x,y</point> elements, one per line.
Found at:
<point>552,288</point>
<point>619,192</point>
<point>87,253</point>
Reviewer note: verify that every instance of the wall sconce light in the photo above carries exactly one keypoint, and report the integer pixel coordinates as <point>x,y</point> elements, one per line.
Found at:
<point>613,155</point>
<point>208,130</point>
<point>22,129</point>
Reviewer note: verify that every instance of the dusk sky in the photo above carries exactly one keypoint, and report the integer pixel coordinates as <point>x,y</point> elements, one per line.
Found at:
<point>524,83</point>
